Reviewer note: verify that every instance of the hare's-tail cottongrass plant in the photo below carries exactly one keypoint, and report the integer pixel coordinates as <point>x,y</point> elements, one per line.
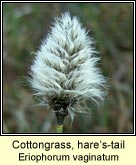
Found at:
<point>64,72</point>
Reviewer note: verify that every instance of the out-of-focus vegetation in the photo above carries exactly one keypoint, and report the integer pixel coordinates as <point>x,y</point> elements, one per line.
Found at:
<point>25,25</point>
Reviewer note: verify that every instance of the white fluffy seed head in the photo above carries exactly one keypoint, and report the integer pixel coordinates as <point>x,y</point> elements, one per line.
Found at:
<point>64,71</point>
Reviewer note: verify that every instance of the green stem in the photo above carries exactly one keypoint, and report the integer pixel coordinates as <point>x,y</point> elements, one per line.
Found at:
<point>60,128</point>
<point>60,122</point>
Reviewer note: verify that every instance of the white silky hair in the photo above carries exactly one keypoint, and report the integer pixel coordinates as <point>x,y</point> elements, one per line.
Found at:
<point>65,66</point>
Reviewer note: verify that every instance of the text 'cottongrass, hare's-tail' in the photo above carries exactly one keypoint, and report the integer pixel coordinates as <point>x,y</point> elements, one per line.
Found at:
<point>64,72</point>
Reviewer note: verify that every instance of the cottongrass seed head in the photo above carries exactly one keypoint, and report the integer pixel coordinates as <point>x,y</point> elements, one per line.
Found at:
<point>64,72</point>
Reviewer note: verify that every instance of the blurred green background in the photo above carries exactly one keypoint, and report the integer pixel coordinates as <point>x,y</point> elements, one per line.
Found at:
<point>26,24</point>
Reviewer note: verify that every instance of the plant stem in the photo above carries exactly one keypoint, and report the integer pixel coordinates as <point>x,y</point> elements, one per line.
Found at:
<point>60,122</point>
<point>60,128</point>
